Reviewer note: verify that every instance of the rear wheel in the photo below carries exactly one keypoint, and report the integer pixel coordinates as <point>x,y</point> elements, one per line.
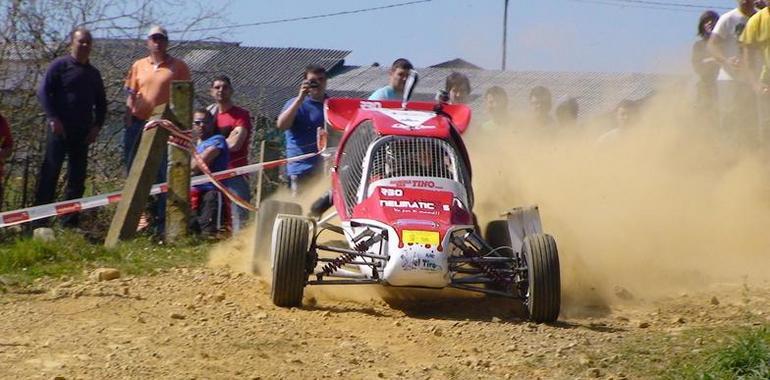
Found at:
<point>543,293</point>
<point>290,252</point>
<point>268,211</point>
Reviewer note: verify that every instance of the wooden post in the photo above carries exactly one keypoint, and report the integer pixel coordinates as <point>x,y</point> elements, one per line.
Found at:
<point>178,201</point>
<point>260,174</point>
<point>141,177</point>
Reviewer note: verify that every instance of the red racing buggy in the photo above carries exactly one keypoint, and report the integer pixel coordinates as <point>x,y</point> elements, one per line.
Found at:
<point>401,186</point>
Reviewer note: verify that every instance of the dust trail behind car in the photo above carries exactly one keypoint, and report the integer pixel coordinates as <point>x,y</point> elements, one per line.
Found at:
<point>668,205</point>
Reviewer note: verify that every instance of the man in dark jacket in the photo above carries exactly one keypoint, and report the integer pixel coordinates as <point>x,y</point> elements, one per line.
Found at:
<point>72,96</point>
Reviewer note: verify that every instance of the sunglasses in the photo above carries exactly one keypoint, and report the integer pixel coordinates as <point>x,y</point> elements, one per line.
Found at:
<point>158,37</point>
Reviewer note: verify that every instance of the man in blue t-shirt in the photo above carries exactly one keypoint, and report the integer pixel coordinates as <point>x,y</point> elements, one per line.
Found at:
<point>212,147</point>
<point>399,72</point>
<point>300,119</point>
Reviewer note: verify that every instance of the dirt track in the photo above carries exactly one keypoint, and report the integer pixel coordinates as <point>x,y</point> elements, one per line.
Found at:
<point>207,323</point>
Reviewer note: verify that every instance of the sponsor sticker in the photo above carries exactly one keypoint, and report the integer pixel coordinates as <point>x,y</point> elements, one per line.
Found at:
<point>420,237</point>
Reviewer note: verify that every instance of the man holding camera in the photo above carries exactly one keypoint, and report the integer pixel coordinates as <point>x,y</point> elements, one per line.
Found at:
<point>300,119</point>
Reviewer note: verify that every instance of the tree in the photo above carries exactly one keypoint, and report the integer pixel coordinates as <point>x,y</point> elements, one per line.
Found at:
<point>34,32</point>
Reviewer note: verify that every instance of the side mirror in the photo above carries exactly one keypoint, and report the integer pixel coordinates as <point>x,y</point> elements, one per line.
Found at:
<point>411,83</point>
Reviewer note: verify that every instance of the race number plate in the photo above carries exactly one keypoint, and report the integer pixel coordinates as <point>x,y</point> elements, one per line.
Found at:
<point>420,237</point>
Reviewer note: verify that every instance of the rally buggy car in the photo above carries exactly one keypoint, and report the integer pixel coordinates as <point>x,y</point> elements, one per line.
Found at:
<point>401,185</point>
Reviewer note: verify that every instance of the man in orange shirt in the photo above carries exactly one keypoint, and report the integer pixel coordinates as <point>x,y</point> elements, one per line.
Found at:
<point>148,86</point>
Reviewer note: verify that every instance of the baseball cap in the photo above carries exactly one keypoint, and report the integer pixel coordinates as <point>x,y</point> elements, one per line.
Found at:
<point>156,29</point>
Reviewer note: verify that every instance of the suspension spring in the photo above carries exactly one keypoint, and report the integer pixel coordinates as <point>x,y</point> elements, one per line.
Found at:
<point>485,267</point>
<point>337,263</point>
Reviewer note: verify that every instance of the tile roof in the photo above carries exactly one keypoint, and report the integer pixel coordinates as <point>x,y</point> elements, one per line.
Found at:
<point>595,92</point>
<point>260,75</point>
<point>457,63</point>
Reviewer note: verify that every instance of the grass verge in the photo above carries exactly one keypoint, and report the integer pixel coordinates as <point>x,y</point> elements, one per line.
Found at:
<point>742,353</point>
<point>25,259</point>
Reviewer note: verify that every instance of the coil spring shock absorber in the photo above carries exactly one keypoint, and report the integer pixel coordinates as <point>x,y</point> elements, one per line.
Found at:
<point>337,263</point>
<point>361,245</point>
<point>471,245</point>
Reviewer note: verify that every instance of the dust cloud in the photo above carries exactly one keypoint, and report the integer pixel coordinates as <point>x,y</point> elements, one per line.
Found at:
<point>667,206</point>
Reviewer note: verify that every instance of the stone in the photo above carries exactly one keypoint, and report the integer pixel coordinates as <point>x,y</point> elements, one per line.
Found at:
<point>623,293</point>
<point>104,274</point>
<point>643,325</point>
<point>678,320</point>
<point>714,301</point>
<point>585,360</point>
<point>44,234</point>
<point>594,373</point>
<point>496,320</point>
<point>219,297</point>
<point>177,316</point>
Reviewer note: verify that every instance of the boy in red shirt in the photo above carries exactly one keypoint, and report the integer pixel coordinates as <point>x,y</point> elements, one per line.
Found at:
<point>234,123</point>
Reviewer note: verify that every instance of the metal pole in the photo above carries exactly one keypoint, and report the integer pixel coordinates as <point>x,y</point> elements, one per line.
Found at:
<point>505,32</point>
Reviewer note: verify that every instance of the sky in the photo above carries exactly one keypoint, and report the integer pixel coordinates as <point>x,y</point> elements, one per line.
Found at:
<point>543,35</point>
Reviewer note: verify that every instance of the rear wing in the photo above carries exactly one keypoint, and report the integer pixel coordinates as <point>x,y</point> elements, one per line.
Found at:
<point>339,112</point>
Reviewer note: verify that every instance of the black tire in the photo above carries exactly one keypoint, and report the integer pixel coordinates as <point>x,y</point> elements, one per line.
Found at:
<point>290,250</point>
<point>544,283</point>
<point>268,210</point>
<point>497,235</point>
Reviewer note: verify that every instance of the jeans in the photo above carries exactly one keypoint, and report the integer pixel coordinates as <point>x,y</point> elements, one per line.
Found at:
<point>239,216</point>
<point>57,148</point>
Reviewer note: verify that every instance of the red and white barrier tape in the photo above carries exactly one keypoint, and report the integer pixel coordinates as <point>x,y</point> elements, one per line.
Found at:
<point>25,215</point>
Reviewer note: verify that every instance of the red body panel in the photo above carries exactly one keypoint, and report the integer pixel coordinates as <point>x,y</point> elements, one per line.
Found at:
<point>418,119</point>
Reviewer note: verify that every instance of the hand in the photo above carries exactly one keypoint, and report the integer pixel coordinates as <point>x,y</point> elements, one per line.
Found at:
<point>93,133</point>
<point>304,89</point>
<point>56,127</point>
<point>762,89</point>
<point>735,62</point>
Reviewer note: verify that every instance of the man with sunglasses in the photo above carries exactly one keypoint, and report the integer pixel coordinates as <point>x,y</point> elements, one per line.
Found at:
<point>149,85</point>
<point>234,123</point>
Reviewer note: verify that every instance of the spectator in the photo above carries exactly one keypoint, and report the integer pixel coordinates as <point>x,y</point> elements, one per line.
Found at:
<point>625,116</point>
<point>300,119</point>
<point>399,72</point>
<point>705,66</point>
<point>213,149</point>
<point>724,47</point>
<point>6,149</point>
<point>756,40</point>
<point>234,123</point>
<point>496,107</point>
<point>72,96</point>
<point>148,86</point>
<point>458,86</point>
<point>567,112</point>
<point>540,102</point>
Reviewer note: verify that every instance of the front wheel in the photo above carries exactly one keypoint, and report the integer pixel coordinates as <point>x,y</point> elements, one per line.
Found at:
<point>289,251</point>
<point>543,293</point>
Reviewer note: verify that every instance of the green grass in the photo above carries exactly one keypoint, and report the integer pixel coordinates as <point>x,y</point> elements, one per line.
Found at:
<point>25,259</point>
<point>742,353</point>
